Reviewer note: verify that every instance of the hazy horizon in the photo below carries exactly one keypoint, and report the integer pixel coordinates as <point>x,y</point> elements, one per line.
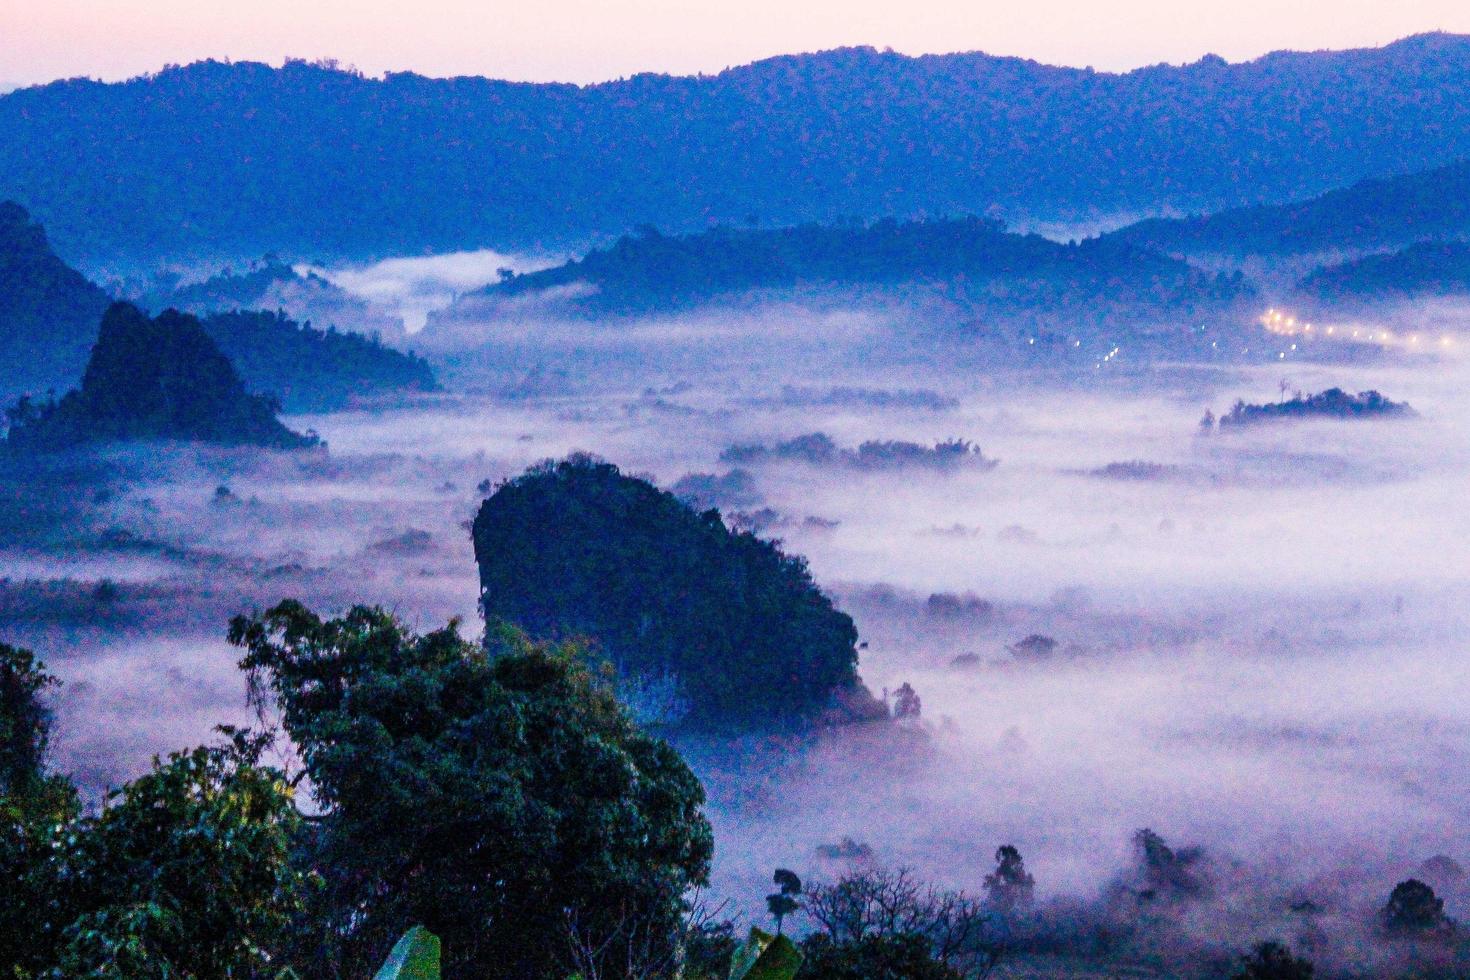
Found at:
<point>583,42</point>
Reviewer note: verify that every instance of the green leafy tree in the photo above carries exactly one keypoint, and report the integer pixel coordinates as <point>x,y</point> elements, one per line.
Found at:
<point>491,793</point>
<point>25,722</point>
<point>36,809</point>
<point>765,957</point>
<point>186,872</point>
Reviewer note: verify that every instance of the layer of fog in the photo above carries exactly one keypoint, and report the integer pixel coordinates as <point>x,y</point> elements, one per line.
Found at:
<point>411,288</point>
<point>1259,648</point>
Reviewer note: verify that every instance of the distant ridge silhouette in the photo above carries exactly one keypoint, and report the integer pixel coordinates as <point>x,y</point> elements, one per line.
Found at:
<point>244,158</point>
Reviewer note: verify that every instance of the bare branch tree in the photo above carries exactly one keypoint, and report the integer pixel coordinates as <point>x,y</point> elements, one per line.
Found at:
<point>961,933</point>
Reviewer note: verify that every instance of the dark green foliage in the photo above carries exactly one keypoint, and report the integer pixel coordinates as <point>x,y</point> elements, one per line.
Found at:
<point>25,721</point>
<point>186,872</point>
<point>310,369</point>
<point>653,271</point>
<point>1332,403</point>
<point>899,956</point>
<point>203,157</point>
<point>148,378</point>
<point>1413,908</point>
<point>499,797</point>
<point>576,548</point>
<point>1425,269</point>
<point>1272,961</point>
<point>35,811</point>
<point>48,311</point>
<point>708,948</point>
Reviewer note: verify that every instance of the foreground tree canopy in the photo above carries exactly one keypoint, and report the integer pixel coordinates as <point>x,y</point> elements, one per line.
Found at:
<point>496,794</point>
<point>186,872</point>
<point>159,378</point>
<point>499,796</point>
<point>575,548</point>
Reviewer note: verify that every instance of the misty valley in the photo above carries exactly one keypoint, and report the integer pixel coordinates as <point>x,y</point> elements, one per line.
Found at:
<point>659,593</point>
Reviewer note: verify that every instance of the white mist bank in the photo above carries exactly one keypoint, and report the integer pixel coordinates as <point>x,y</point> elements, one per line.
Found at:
<point>1262,646</point>
<point>413,287</point>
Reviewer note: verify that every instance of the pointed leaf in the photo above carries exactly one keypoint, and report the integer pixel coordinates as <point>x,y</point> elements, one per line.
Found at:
<point>765,957</point>
<point>414,957</point>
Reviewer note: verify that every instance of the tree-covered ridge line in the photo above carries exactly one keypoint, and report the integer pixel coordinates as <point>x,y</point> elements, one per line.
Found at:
<point>309,369</point>
<point>228,289</point>
<point>406,164</point>
<point>1378,213</point>
<point>653,271</point>
<point>268,283</point>
<point>151,378</point>
<point>712,627</point>
<point>48,310</point>
<point>1433,268</point>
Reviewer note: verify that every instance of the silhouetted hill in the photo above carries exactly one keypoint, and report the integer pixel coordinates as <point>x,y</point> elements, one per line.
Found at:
<point>271,284</point>
<point>1372,214</point>
<point>244,158</point>
<point>652,271</point>
<point>310,369</point>
<point>730,629</point>
<point>48,311</point>
<point>1425,269</point>
<point>152,379</point>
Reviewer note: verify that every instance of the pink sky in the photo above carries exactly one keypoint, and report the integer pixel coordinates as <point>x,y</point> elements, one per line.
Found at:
<point>592,40</point>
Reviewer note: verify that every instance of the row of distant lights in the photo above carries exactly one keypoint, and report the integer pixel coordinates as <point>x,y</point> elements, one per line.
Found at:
<point>1280,323</point>
<point>1077,343</point>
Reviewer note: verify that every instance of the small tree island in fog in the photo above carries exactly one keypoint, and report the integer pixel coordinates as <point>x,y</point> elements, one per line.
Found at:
<point>1334,403</point>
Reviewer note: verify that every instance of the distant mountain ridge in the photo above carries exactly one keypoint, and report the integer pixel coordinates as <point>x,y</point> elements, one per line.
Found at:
<point>245,158</point>
<point>1424,269</point>
<point>970,260</point>
<point>313,370</point>
<point>48,311</point>
<point>271,284</point>
<point>1371,214</point>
